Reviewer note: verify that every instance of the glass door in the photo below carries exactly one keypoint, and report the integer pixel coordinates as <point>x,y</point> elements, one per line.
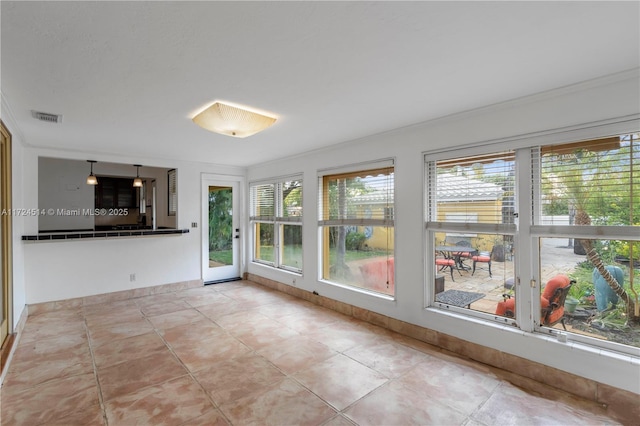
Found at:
<point>221,231</point>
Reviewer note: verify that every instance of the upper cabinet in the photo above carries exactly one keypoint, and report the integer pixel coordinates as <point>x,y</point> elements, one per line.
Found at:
<point>115,193</point>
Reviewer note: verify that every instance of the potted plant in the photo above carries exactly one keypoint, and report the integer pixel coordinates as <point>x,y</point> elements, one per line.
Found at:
<point>570,304</point>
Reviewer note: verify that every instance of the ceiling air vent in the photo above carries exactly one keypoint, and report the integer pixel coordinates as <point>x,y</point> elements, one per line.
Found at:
<point>45,116</point>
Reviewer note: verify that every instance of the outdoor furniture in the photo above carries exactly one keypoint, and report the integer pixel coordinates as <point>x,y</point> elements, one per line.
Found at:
<point>551,302</point>
<point>445,263</point>
<point>458,297</point>
<point>507,308</point>
<point>482,257</point>
<point>465,254</point>
<point>457,253</point>
<point>378,275</point>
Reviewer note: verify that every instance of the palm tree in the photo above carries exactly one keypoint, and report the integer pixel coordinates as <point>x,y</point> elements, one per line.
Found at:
<point>583,218</point>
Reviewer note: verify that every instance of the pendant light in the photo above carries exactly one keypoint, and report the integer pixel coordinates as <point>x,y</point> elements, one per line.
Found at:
<point>137,182</point>
<point>92,179</point>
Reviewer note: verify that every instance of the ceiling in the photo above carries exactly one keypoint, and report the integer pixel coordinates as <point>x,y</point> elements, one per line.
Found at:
<point>129,76</point>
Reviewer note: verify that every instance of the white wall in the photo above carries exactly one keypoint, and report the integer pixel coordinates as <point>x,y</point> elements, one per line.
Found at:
<point>616,96</point>
<point>62,186</point>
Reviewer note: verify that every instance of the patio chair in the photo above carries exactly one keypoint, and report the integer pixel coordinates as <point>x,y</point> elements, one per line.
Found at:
<point>507,308</point>
<point>551,302</point>
<point>482,257</point>
<point>444,263</point>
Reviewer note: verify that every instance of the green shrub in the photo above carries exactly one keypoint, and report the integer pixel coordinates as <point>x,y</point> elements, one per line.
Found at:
<point>355,240</point>
<point>583,289</point>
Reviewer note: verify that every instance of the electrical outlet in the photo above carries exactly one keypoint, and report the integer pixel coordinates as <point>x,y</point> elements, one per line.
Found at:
<point>194,224</point>
<point>132,277</point>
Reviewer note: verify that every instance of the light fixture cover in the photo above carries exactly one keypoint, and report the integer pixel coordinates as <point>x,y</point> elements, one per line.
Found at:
<point>92,179</point>
<point>137,182</point>
<point>232,121</point>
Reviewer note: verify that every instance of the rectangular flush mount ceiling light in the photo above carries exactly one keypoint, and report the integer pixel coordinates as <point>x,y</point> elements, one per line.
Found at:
<point>232,120</point>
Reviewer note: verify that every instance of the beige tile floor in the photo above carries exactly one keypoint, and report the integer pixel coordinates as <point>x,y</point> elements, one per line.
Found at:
<point>241,354</point>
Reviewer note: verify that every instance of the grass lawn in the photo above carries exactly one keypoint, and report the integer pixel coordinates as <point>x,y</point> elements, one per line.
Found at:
<point>221,256</point>
<point>293,254</point>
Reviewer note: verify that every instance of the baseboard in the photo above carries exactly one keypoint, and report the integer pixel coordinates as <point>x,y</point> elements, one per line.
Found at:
<point>11,344</point>
<point>5,350</point>
<point>38,308</point>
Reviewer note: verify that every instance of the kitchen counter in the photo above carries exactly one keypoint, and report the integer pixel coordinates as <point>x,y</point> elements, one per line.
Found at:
<point>102,234</point>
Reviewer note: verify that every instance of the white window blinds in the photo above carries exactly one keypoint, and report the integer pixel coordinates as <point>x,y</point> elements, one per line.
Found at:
<point>595,182</point>
<point>279,201</point>
<point>263,202</point>
<point>480,189</point>
<point>358,198</point>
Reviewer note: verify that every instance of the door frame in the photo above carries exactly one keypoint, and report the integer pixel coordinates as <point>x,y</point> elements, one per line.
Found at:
<point>6,284</point>
<point>209,179</point>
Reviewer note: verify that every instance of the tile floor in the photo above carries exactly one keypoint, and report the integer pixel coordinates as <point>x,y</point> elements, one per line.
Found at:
<point>242,354</point>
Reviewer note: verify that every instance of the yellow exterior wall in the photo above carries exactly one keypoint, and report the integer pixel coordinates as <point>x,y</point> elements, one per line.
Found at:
<point>487,211</point>
<point>380,239</point>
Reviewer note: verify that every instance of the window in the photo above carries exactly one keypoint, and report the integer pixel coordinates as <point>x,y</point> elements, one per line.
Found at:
<point>357,227</point>
<point>173,192</point>
<point>276,217</point>
<point>587,211</point>
<point>470,228</point>
<point>578,236</point>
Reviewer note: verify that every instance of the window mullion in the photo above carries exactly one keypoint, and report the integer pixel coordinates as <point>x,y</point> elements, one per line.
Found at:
<point>526,263</point>
<point>277,232</point>
<point>586,232</point>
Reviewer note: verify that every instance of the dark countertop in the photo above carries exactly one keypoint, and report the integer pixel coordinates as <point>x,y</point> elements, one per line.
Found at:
<point>112,233</point>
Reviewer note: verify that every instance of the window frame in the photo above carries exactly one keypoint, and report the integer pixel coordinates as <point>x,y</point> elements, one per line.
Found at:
<point>589,232</point>
<point>278,220</point>
<point>324,223</point>
<point>528,231</point>
<point>461,228</point>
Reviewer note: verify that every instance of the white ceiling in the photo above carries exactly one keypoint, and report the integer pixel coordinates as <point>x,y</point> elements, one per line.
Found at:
<point>128,76</point>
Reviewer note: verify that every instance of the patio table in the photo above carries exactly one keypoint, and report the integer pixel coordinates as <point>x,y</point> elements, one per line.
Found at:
<point>455,253</point>
<point>458,297</point>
